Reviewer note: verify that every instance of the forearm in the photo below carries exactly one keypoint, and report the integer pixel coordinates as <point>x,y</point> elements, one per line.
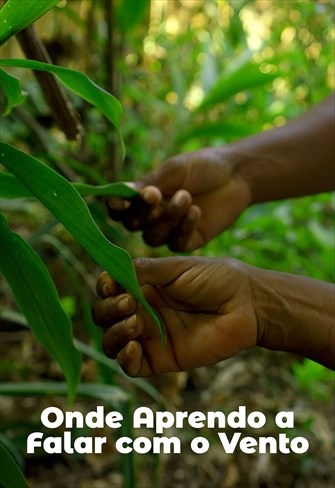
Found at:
<point>290,161</point>
<point>295,314</point>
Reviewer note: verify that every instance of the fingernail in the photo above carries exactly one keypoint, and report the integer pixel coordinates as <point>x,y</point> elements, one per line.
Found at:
<point>123,304</point>
<point>105,289</point>
<point>180,199</point>
<point>146,195</point>
<point>131,324</point>
<point>130,349</point>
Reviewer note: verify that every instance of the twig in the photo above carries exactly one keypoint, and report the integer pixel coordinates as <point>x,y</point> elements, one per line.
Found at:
<point>112,85</point>
<point>62,110</point>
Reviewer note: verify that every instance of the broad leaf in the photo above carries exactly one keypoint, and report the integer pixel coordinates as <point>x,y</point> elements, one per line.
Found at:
<point>65,203</point>
<point>11,187</point>
<point>15,15</point>
<point>80,84</point>
<point>10,473</point>
<point>12,88</point>
<point>36,295</point>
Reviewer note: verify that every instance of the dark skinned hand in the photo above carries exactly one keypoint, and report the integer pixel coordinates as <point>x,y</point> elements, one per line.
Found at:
<point>187,201</point>
<point>206,306</point>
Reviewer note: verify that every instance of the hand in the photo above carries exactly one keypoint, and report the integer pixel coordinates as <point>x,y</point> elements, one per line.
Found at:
<point>187,201</point>
<point>206,306</point>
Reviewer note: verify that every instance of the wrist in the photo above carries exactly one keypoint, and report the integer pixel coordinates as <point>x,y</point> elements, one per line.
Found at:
<point>295,314</point>
<point>258,161</point>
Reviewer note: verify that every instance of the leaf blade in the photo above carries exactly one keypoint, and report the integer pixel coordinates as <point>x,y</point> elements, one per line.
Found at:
<point>11,188</point>
<point>58,195</point>
<point>244,77</point>
<point>36,295</point>
<point>12,88</point>
<point>80,84</point>
<point>14,18</point>
<point>11,474</point>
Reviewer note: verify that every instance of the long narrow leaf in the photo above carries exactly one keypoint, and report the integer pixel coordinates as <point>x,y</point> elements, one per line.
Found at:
<point>118,189</point>
<point>10,473</point>
<point>210,130</point>
<point>37,297</point>
<point>11,187</point>
<point>112,395</point>
<point>142,384</point>
<point>15,15</point>
<point>244,77</point>
<point>80,84</point>
<point>65,203</point>
<point>12,88</point>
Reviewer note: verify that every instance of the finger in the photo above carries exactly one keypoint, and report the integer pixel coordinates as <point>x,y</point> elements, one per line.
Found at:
<point>117,205</point>
<point>159,231</point>
<point>112,309</point>
<point>136,216</point>
<point>132,360</point>
<point>121,333</point>
<point>181,238</point>
<point>106,286</point>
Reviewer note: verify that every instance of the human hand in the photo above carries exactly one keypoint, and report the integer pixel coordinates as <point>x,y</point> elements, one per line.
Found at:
<point>206,305</point>
<point>187,201</point>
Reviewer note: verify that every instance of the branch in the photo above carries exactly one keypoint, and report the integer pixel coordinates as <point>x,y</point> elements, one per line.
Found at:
<point>62,109</point>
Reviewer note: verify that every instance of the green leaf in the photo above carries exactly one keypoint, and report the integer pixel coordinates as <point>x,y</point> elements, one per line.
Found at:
<point>15,15</point>
<point>114,366</point>
<point>80,84</point>
<point>128,17</point>
<point>17,318</point>
<point>10,473</point>
<point>112,395</point>
<point>118,189</point>
<point>225,130</point>
<point>244,77</point>
<point>36,295</point>
<point>11,187</point>
<point>12,88</point>
<point>65,203</point>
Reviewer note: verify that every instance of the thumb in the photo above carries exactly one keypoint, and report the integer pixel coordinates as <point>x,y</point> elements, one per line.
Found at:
<point>161,271</point>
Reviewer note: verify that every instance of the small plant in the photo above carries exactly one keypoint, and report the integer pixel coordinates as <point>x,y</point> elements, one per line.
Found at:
<point>28,277</point>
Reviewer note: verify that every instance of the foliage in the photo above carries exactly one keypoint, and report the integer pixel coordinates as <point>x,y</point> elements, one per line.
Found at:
<point>313,378</point>
<point>37,297</point>
<point>13,18</point>
<point>58,195</point>
<point>12,476</point>
<point>189,74</point>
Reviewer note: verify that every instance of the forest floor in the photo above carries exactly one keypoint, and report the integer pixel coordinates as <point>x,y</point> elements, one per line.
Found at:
<point>260,380</point>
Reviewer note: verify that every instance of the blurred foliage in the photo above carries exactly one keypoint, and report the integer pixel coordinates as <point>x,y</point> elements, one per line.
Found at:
<point>165,64</point>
